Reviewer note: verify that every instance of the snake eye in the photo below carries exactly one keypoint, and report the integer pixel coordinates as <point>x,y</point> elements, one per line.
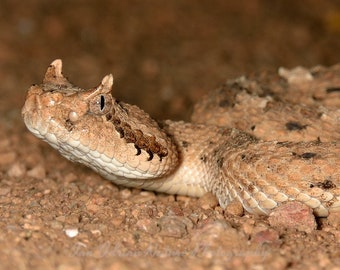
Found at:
<point>101,104</point>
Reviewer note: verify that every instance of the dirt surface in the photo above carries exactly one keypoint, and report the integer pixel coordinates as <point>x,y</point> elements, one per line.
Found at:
<point>165,55</point>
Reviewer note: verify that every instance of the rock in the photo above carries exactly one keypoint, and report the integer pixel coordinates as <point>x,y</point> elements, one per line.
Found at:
<point>208,239</point>
<point>70,177</point>
<point>119,219</point>
<point>17,170</point>
<point>296,75</point>
<point>248,226</point>
<point>143,197</point>
<point>147,225</point>
<point>72,232</point>
<point>174,210</point>
<point>334,220</point>
<point>38,172</point>
<point>235,208</point>
<point>95,203</point>
<point>125,193</point>
<point>208,201</point>
<point>72,219</point>
<point>293,215</point>
<point>267,236</point>
<point>55,224</point>
<point>172,226</point>
<point>212,230</point>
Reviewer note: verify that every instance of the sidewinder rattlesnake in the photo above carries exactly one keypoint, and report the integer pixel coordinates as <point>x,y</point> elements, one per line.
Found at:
<point>286,151</point>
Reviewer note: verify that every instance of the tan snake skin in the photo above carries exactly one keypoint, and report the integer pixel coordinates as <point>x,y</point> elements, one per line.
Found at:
<point>123,144</point>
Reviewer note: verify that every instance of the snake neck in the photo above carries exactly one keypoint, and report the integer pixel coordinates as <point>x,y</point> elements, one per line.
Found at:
<point>202,151</point>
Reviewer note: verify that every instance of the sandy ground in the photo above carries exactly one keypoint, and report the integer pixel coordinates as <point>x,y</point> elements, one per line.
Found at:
<point>165,55</point>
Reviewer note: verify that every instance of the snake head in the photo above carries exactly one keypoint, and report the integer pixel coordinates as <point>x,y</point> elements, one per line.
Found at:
<point>56,104</point>
<point>93,128</point>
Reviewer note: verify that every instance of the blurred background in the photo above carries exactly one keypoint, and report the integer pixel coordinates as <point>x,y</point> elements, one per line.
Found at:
<point>164,55</point>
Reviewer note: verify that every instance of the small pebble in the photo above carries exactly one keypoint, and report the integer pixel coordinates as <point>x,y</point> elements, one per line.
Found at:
<point>208,201</point>
<point>174,211</point>
<point>248,226</point>
<point>119,219</point>
<point>17,170</point>
<point>235,208</point>
<point>212,229</point>
<point>296,75</point>
<point>31,227</point>
<point>293,215</point>
<point>96,232</point>
<point>147,225</point>
<point>91,207</point>
<point>71,232</point>
<point>181,198</point>
<point>95,228</point>
<point>17,200</point>
<point>334,219</point>
<point>34,203</point>
<point>172,226</point>
<point>143,197</point>
<point>95,203</point>
<point>56,225</point>
<point>38,172</point>
<point>217,233</point>
<point>125,193</point>
<point>165,198</point>
<point>267,236</point>
<point>70,177</point>
<point>72,219</point>
<point>60,218</point>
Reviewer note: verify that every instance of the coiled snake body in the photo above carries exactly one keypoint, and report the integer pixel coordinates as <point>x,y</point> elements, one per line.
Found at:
<point>123,144</point>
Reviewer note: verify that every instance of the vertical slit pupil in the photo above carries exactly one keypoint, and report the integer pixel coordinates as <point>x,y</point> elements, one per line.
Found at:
<point>102,103</point>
